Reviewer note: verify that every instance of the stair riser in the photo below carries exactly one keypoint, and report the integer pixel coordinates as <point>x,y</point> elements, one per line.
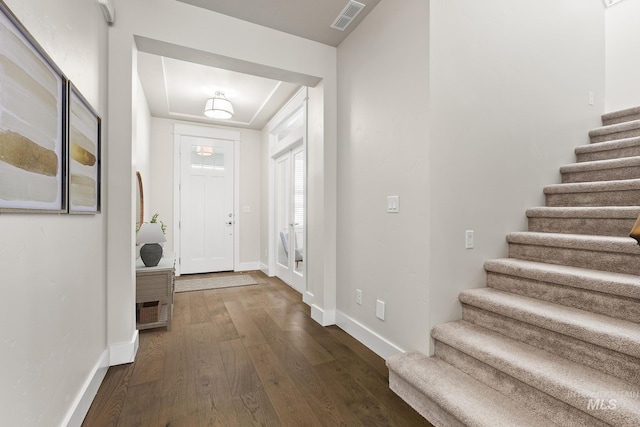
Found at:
<point>622,119</point>
<point>604,261</point>
<point>595,302</point>
<point>617,153</point>
<point>421,402</point>
<point>616,135</point>
<point>631,172</point>
<point>590,226</point>
<point>608,361</point>
<point>535,400</point>
<point>599,198</point>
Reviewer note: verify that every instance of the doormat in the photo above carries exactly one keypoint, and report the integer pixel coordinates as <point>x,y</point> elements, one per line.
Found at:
<point>200,284</point>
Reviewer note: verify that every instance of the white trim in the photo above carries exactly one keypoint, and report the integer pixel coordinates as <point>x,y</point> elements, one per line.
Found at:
<point>308,298</point>
<point>82,403</point>
<point>248,266</point>
<point>264,268</point>
<point>236,204</point>
<point>206,132</point>
<point>124,352</point>
<point>375,342</point>
<point>291,106</point>
<point>322,316</point>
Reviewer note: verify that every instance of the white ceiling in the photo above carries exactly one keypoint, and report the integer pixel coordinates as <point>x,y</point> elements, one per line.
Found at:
<point>310,19</point>
<point>178,82</point>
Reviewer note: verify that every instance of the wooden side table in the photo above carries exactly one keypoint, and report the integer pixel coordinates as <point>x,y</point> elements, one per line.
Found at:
<point>156,284</point>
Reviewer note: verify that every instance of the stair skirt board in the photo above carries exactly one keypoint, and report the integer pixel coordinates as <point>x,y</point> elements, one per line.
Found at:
<point>554,338</point>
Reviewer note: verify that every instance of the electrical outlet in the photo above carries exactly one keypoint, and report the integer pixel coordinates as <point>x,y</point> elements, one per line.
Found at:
<point>358,297</point>
<point>591,98</point>
<point>380,309</point>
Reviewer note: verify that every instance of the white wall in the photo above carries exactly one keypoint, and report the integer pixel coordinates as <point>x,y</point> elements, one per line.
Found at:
<point>509,104</point>
<point>465,110</point>
<point>161,177</point>
<point>53,340</point>
<point>622,55</point>
<point>383,150</point>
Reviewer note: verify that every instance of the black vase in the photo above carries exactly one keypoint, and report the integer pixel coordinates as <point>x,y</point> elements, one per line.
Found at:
<point>151,254</point>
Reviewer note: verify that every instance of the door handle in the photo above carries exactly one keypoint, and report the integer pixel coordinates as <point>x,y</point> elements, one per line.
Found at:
<point>229,223</point>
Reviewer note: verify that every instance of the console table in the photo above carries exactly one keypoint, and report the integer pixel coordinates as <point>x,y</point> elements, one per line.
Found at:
<point>156,284</point>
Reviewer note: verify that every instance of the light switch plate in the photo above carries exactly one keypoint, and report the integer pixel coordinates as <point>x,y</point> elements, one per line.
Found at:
<point>468,239</point>
<point>393,204</point>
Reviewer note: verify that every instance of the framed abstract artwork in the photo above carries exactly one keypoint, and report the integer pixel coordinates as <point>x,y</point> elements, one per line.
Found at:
<point>84,140</point>
<point>32,123</point>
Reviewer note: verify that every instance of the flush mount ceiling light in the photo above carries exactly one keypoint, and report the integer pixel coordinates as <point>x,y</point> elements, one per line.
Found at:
<point>218,107</point>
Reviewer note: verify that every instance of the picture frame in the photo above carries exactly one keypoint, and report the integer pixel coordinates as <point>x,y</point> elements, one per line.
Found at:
<point>32,124</point>
<point>84,145</point>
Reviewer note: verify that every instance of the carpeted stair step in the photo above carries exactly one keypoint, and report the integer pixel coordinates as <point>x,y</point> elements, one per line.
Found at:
<point>629,147</point>
<point>602,170</point>
<point>566,392</point>
<point>601,221</point>
<point>621,116</point>
<point>604,331</point>
<point>612,294</point>
<point>616,131</point>
<point>448,397</point>
<point>608,361</point>
<point>606,253</point>
<point>624,192</point>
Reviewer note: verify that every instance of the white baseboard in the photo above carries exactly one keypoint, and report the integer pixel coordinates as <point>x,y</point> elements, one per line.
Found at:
<point>124,352</point>
<point>308,298</point>
<point>264,268</point>
<point>248,266</point>
<point>322,316</point>
<point>83,400</point>
<point>375,342</point>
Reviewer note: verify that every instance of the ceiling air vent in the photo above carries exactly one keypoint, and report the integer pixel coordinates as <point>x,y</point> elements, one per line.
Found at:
<point>348,14</point>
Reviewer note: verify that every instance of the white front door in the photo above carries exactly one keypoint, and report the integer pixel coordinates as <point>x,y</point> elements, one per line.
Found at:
<point>206,204</point>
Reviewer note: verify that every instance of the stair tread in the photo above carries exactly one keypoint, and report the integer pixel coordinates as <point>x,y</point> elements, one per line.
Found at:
<point>576,241</point>
<point>593,186</point>
<point>608,145</point>
<point>601,164</point>
<point>627,285</point>
<point>621,113</point>
<point>567,381</point>
<point>609,332</point>
<point>462,396</point>
<point>610,212</point>
<point>615,128</point>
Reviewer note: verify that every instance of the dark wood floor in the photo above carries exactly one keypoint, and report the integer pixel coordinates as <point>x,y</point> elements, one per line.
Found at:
<point>249,356</point>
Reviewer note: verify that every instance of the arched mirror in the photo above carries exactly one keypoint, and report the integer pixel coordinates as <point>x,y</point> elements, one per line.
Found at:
<point>139,202</point>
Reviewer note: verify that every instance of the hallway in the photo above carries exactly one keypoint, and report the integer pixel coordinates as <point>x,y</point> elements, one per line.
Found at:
<point>249,356</point>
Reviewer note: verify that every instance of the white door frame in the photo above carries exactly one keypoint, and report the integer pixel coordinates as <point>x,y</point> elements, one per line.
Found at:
<point>214,133</point>
<point>277,148</point>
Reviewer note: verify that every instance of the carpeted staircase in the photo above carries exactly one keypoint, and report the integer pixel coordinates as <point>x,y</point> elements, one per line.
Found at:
<point>554,338</point>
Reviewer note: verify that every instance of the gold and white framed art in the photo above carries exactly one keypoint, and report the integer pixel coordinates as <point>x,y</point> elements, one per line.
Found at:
<point>32,123</point>
<point>84,138</point>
